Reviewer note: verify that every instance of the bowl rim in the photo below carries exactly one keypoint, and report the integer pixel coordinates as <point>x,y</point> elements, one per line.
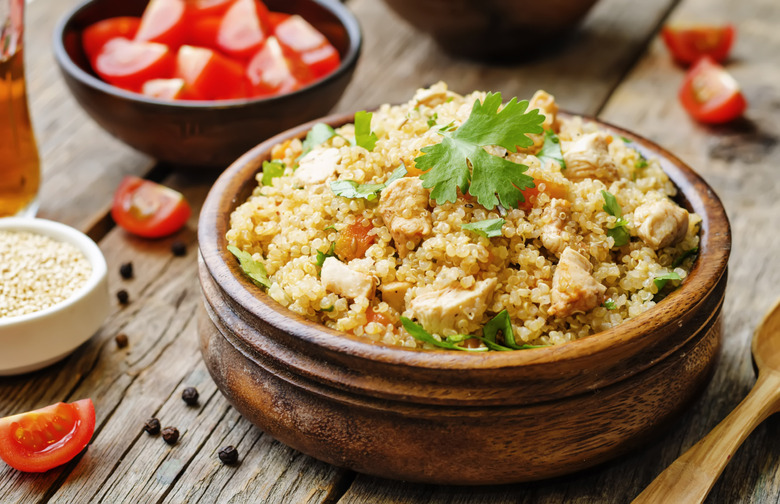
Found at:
<point>63,233</point>
<point>638,332</point>
<point>339,10</point>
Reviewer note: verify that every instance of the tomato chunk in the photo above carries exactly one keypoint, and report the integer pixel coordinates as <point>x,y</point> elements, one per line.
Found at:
<point>199,8</point>
<point>163,21</point>
<point>149,209</point>
<point>311,46</point>
<point>354,240</point>
<point>710,94</point>
<point>688,44</point>
<point>210,75</point>
<point>95,36</point>
<point>244,28</point>
<point>45,438</point>
<point>552,189</point>
<point>378,317</point>
<point>204,31</point>
<point>128,64</point>
<point>168,89</point>
<point>270,72</point>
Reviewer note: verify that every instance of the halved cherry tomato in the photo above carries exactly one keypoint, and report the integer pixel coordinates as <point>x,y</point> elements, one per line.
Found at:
<point>168,89</point>
<point>149,209</point>
<point>244,28</point>
<point>163,21</point>
<point>688,44</point>
<point>95,36</point>
<point>45,438</point>
<point>311,46</point>
<point>210,75</point>
<point>552,189</point>
<point>270,72</point>
<point>128,64</point>
<point>354,240</point>
<point>710,94</point>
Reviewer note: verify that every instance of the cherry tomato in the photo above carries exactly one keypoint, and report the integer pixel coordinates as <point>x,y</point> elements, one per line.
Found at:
<point>276,18</point>
<point>45,438</point>
<point>270,72</point>
<point>710,94</point>
<point>688,44</point>
<point>95,36</point>
<point>210,75</point>
<point>311,46</point>
<point>163,21</point>
<point>128,64</point>
<point>149,209</point>
<point>203,32</point>
<point>244,28</point>
<point>168,89</point>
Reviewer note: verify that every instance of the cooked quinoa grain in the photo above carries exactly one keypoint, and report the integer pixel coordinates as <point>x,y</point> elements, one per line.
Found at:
<point>358,265</point>
<point>37,272</point>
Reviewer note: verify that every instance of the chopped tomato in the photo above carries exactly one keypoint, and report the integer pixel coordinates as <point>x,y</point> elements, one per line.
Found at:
<point>95,36</point>
<point>128,64</point>
<point>244,28</point>
<point>552,189</point>
<point>203,32</point>
<point>354,240</point>
<point>378,317</point>
<point>163,21</point>
<point>270,72</point>
<point>168,89</point>
<point>311,46</point>
<point>199,8</point>
<point>710,94</point>
<point>276,18</point>
<point>688,44</point>
<point>149,209</point>
<point>210,75</point>
<point>45,438</point>
<point>322,61</point>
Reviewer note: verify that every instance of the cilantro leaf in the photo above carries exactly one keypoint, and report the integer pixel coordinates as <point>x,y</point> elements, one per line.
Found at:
<point>370,192</point>
<point>501,322</point>
<point>685,255</point>
<point>421,334</point>
<point>318,134</point>
<point>611,205</point>
<point>641,161</point>
<point>253,269</point>
<point>432,120</point>
<point>364,137</point>
<point>618,232</point>
<point>271,170</point>
<point>551,150</point>
<point>660,281</point>
<point>321,256</point>
<point>459,161</point>
<point>609,305</point>
<point>488,228</point>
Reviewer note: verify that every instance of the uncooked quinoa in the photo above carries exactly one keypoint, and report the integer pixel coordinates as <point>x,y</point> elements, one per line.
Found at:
<point>451,222</point>
<point>37,272</point>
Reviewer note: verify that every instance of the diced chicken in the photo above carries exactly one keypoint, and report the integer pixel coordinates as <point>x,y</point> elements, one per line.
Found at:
<point>404,208</point>
<point>545,102</point>
<point>393,293</point>
<point>661,223</point>
<point>588,157</point>
<point>573,287</point>
<point>316,166</point>
<point>555,216</point>
<point>441,310</point>
<point>339,278</point>
<point>434,95</point>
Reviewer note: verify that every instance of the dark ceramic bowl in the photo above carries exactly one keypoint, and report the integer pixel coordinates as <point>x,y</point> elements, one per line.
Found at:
<point>202,133</point>
<point>494,29</point>
<point>455,417</point>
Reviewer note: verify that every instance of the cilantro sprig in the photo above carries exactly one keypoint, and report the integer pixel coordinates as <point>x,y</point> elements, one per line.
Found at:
<point>459,161</point>
<point>619,232</point>
<point>318,134</point>
<point>272,170</point>
<point>353,190</point>
<point>551,150</point>
<point>489,228</point>
<point>253,269</point>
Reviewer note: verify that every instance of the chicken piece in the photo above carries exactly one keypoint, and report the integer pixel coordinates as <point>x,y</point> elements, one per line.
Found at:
<point>555,216</point>
<point>316,166</point>
<point>588,157</point>
<point>545,102</point>
<point>440,310</point>
<point>661,223</point>
<point>339,278</point>
<point>434,95</point>
<point>404,208</point>
<point>393,293</point>
<point>573,287</point>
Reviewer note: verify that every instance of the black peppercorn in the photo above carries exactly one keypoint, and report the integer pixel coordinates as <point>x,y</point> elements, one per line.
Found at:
<point>228,455</point>
<point>126,270</point>
<point>190,396</point>
<point>170,435</point>
<point>178,248</point>
<point>122,296</point>
<point>152,426</point>
<point>121,340</point>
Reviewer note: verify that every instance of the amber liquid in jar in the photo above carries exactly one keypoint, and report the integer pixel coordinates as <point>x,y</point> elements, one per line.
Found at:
<point>19,162</point>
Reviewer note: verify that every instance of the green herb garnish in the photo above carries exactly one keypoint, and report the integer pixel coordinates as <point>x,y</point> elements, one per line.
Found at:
<point>329,227</point>
<point>488,228</point>
<point>321,256</point>
<point>318,134</point>
<point>370,192</point>
<point>660,281</point>
<point>641,161</point>
<point>501,322</point>
<point>328,309</point>
<point>459,161</point>
<point>626,140</point>
<point>432,120</point>
<point>272,170</point>
<point>364,137</point>
<point>551,150</point>
<point>609,305</point>
<point>685,255</point>
<point>253,269</point>
<point>618,232</point>
<point>421,334</point>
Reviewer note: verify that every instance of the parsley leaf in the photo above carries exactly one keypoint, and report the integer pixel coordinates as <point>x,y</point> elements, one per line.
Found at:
<point>253,269</point>
<point>364,137</point>
<point>318,134</point>
<point>271,170</point>
<point>551,150</point>
<point>685,255</point>
<point>660,281</point>
<point>488,228</point>
<point>321,256</point>
<point>460,162</point>
<point>609,305</point>
<point>370,192</point>
<point>618,232</point>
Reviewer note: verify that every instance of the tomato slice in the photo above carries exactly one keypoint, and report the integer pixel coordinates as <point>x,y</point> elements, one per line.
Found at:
<point>210,75</point>
<point>149,209</point>
<point>688,44</point>
<point>311,46</point>
<point>244,28</point>
<point>45,438</point>
<point>95,36</point>
<point>168,89</point>
<point>128,64</point>
<point>710,94</point>
<point>270,72</point>
<point>163,21</point>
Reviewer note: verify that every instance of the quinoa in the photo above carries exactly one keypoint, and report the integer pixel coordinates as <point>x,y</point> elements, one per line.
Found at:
<point>37,272</point>
<point>286,224</point>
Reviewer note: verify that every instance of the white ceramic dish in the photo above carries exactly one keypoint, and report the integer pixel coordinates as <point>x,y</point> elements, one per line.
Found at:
<point>36,340</point>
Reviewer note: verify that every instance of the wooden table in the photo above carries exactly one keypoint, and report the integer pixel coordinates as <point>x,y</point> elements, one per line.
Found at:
<point>615,67</point>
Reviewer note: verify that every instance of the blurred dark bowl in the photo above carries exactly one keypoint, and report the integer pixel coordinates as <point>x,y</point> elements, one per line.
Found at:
<point>494,29</point>
<point>202,133</point>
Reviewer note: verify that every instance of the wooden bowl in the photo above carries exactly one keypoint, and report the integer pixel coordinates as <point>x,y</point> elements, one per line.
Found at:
<point>202,133</point>
<point>454,417</point>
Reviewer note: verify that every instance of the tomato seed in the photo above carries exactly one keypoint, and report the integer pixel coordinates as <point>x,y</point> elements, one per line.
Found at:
<point>190,396</point>
<point>228,455</point>
<point>152,426</point>
<point>170,435</point>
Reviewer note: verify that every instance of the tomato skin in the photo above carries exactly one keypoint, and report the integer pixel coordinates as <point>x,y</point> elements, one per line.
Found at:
<point>148,209</point>
<point>45,438</point>
<point>128,64</point>
<point>710,94</point>
<point>688,44</point>
<point>271,72</point>
<point>95,36</point>
<point>203,32</point>
<point>244,29</point>
<point>163,21</point>
<point>168,89</point>
<point>311,47</point>
<point>197,8</point>
<point>210,75</point>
